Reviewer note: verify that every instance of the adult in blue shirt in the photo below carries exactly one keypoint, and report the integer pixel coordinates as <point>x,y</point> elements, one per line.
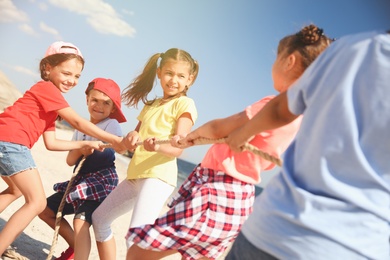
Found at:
<point>332,196</point>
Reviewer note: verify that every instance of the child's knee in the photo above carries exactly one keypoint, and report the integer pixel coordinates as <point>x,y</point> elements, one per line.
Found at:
<point>16,193</point>
<point>38,206</point>
<point>102,234</point>
<point>47,213</point>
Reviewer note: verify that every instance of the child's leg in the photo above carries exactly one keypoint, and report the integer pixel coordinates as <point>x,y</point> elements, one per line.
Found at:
<point>150,201</point>
<point>30,184</point>
<point>119,202</point>
<point>48,215</point>
<point>137,253</point>
<point>82,239</point>
<point>81,223</point>
<point>8,195</point>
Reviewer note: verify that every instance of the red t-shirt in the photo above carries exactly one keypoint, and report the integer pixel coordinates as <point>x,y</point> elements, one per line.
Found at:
<point>31,115</point>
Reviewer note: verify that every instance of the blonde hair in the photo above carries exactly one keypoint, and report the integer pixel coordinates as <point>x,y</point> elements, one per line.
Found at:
<point>143,84</point>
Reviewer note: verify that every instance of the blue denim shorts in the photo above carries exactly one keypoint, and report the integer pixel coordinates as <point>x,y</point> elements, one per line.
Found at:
<point>15,158</point>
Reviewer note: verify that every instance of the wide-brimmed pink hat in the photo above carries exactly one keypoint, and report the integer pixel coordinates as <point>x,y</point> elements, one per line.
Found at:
<point>112,90</point>
<point>62,47</point>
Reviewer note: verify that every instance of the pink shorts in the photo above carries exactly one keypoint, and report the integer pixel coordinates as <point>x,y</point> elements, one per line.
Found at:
<point>205,216</point>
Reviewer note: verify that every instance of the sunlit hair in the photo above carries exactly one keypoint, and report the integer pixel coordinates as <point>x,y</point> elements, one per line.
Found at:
<point>56,59</point>
<point>309,42</point>
<point>143,84</point>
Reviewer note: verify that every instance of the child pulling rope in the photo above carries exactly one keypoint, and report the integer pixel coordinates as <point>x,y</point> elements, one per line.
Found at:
<point>199,141</point>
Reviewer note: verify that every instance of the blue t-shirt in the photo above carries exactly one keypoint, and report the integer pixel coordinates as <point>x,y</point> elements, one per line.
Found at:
<point>99,160</point>
<point>332,196</point>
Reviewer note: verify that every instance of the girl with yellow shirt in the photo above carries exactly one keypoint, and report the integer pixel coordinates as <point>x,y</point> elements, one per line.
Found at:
<point>152,172</point>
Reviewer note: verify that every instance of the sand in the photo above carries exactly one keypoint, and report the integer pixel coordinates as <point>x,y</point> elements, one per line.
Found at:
<point>36,240</point>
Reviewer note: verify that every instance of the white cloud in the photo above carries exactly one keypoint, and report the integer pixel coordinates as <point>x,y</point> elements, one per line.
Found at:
<point>24,70</point>
<point>44,27</point>
<point>27,29</point>
<point>43,6</point>
<point>100,15</point>
<point>10,13</point>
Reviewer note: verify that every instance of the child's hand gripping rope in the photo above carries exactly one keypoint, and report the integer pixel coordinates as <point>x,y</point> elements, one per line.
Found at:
<point>176,141</point>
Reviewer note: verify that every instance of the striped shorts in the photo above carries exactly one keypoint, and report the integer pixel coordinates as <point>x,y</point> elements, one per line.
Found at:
<point>205,216</point>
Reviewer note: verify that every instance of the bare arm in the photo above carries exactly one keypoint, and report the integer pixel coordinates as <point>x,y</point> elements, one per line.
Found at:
<point>90,129</point>
<point>214,129</point>
<point>184,125</point>
<point>54,144</point>
<point>274,114</point>
<point>74,155</point>
<point>132,138</point>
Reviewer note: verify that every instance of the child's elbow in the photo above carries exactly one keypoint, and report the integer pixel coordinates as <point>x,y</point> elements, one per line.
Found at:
<point>176,153</point>
<point>69,162</point>
<point>49,146</point>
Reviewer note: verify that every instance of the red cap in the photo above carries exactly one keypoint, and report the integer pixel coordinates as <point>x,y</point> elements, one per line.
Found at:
<point>112,90</point>
<point>62,47</point>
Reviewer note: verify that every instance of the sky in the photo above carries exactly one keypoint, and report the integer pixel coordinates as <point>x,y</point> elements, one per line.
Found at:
<point>234,42</point>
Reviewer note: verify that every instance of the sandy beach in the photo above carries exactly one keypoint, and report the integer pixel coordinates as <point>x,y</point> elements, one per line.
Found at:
<point>36,240</point>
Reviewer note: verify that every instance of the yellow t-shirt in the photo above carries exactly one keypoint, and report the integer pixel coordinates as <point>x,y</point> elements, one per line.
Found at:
<point>159,121</point>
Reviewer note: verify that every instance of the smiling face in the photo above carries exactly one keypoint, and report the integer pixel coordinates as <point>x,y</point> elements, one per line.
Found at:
<point>174,77</point>
<point>65,75</point>
<point>100,106</point>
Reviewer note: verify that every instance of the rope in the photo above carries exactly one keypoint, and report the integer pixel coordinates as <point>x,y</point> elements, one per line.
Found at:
<point>202,141</point>
<point>10,253</point>
<point>61,207</point>
<point>246,146</point>
<point>199,141</point>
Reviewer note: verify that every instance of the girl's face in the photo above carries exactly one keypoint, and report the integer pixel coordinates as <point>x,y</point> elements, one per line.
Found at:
<point>174,77</point>
<point>100,106</point>
<point>66,74</point>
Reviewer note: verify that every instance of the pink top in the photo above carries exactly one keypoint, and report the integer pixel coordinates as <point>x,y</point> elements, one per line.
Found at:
<point>246,166</point>
<point>31,115</point>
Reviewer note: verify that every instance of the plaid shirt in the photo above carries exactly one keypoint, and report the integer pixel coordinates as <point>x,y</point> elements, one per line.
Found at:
<point>206,215</point>
<point>90,186</point>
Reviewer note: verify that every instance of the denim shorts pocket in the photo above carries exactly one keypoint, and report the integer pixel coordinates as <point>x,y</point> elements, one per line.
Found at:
<point>14,158</point>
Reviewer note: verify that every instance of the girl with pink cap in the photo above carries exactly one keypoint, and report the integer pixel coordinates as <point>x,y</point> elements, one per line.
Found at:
<point>32,116</point>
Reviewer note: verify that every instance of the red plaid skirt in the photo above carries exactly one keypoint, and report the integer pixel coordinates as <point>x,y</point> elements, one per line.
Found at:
<point>205,216</point>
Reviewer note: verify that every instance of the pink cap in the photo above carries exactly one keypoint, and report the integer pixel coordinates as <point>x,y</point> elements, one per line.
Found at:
<point>112,90</point>
<point>62,47</point>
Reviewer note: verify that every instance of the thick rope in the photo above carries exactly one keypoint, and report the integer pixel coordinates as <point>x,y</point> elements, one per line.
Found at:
<point>248,147</point>
<point>10,253</point>
<point>199,141</point>
<point>61,207</point>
